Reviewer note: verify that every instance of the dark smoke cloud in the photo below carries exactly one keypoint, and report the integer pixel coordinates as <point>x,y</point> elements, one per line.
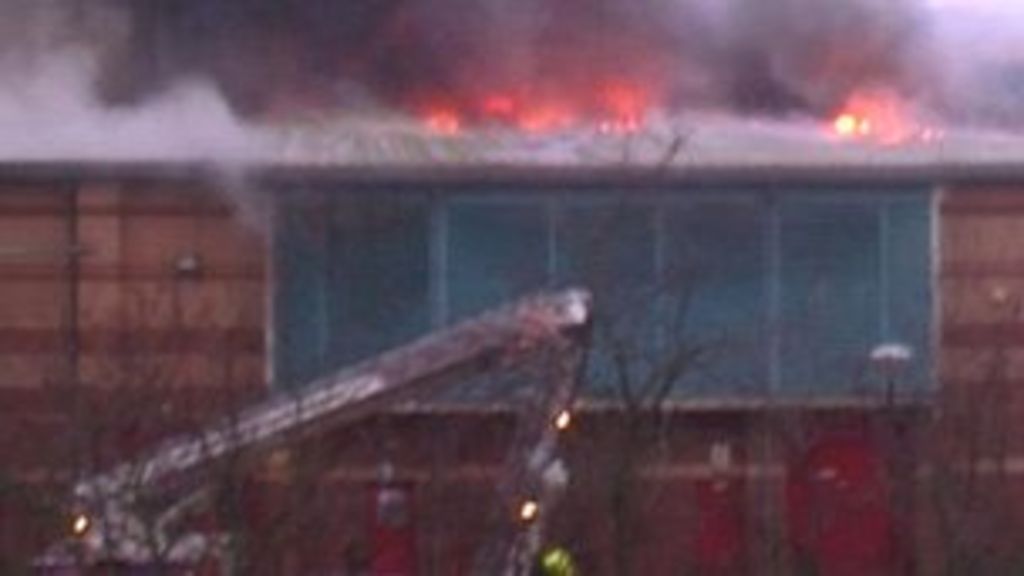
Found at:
<point>754,55</point>
<point>270,57</point>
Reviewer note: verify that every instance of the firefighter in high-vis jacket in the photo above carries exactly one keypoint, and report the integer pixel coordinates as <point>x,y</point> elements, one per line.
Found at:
<point>556,561</point>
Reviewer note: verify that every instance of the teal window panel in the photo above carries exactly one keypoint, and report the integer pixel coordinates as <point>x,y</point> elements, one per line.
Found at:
<point>714,295</point>
<point>782,293</point>
<point>496,251</point>
<point>378,275</point>
<point>908,281</point>
<point>300,299</point>
<point>609,247</point>
<point>831,290</point>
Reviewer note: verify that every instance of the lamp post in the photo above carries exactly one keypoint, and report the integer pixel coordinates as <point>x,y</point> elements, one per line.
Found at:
<point>891,358</point>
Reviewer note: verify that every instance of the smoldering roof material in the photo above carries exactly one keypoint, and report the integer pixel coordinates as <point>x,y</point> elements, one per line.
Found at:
<point>725,150</point>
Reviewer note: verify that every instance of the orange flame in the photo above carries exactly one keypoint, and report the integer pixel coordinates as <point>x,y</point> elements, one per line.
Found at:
<point>546,117</point>
<point>614,106</point>
<point>849,125</point>
<point>880,117</point>
<point>501,106</point>
<point>443,121</point>
<point>626,106</point>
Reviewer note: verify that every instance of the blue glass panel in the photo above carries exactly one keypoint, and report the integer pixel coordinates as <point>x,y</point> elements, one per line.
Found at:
<point>497,251</point>
<point>609,247</point>
<point>299,298</point>
<point>670,277</point>
<point>378,277</point>
<point>716,310</point>
<point>831,295</point>
<point>909,281</point>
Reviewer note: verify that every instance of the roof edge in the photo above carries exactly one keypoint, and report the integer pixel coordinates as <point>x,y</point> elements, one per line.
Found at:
<point>623,175</point>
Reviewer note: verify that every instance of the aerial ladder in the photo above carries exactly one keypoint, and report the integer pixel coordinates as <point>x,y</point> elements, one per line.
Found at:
<point>550,331</point>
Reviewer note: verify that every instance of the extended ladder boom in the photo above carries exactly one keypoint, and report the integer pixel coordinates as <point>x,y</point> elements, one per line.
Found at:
<point>436,360</point>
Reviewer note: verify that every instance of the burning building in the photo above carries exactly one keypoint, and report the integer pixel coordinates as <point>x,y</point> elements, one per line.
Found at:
<point>802,266</point>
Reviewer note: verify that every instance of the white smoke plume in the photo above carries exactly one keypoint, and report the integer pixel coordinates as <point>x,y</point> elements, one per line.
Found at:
<point>980,45</point>
<point>50,108</point>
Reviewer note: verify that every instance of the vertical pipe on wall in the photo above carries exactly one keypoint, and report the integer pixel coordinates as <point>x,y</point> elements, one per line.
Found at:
<point>70,256</point>
<point>271,285</point>
<point>69,390</point>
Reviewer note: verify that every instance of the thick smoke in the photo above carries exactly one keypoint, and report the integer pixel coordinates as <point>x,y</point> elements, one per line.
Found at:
<point>52,56</point>
<point>749,55</point>
<point>981,52</point>
<point>181,71</point>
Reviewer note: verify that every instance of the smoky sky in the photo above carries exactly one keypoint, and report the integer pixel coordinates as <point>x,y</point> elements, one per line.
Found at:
<point>268,56</point>
<point>754,55</point>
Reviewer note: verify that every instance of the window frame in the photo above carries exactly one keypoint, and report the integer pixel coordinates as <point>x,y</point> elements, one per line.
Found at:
<point>555,201</point>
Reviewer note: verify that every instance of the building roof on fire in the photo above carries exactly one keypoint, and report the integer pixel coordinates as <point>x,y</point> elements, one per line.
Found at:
<point>726,149</point>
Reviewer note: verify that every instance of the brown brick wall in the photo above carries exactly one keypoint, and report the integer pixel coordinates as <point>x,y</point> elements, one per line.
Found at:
<point>141,323</point>
<point>982,284</point>
<point>105,345</point>
<point>124,293</point>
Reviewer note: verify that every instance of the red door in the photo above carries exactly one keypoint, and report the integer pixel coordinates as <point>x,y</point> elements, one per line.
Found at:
<point>839,514</point>
<point>720,544</point>
<point>393,531</point>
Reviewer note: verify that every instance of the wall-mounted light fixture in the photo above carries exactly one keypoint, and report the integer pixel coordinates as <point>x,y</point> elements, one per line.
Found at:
<point>188,265</point>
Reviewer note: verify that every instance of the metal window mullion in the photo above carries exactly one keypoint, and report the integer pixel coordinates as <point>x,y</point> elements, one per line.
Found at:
<point>773,294</point>
<point>439,237</point>
<point>551,225</point>
<point>884,223</point>
<point>660,243</point>
<point>661,335</point>
<point>272,295</point>
<point>326,265</point>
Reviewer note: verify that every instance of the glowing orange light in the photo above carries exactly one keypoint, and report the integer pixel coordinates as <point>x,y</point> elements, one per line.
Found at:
<point>851,125</point>
<point>613,106</point>
<point>545,118</point>
<point>444,122</point>
<point>626,104</point>
<point>883,118</point>
<point>563,420</point>
<point>529,510</point>
<point>80,525</point>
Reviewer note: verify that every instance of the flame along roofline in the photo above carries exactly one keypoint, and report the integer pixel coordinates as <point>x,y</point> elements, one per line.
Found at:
<point>694,150</point>
<point>666,148</point>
